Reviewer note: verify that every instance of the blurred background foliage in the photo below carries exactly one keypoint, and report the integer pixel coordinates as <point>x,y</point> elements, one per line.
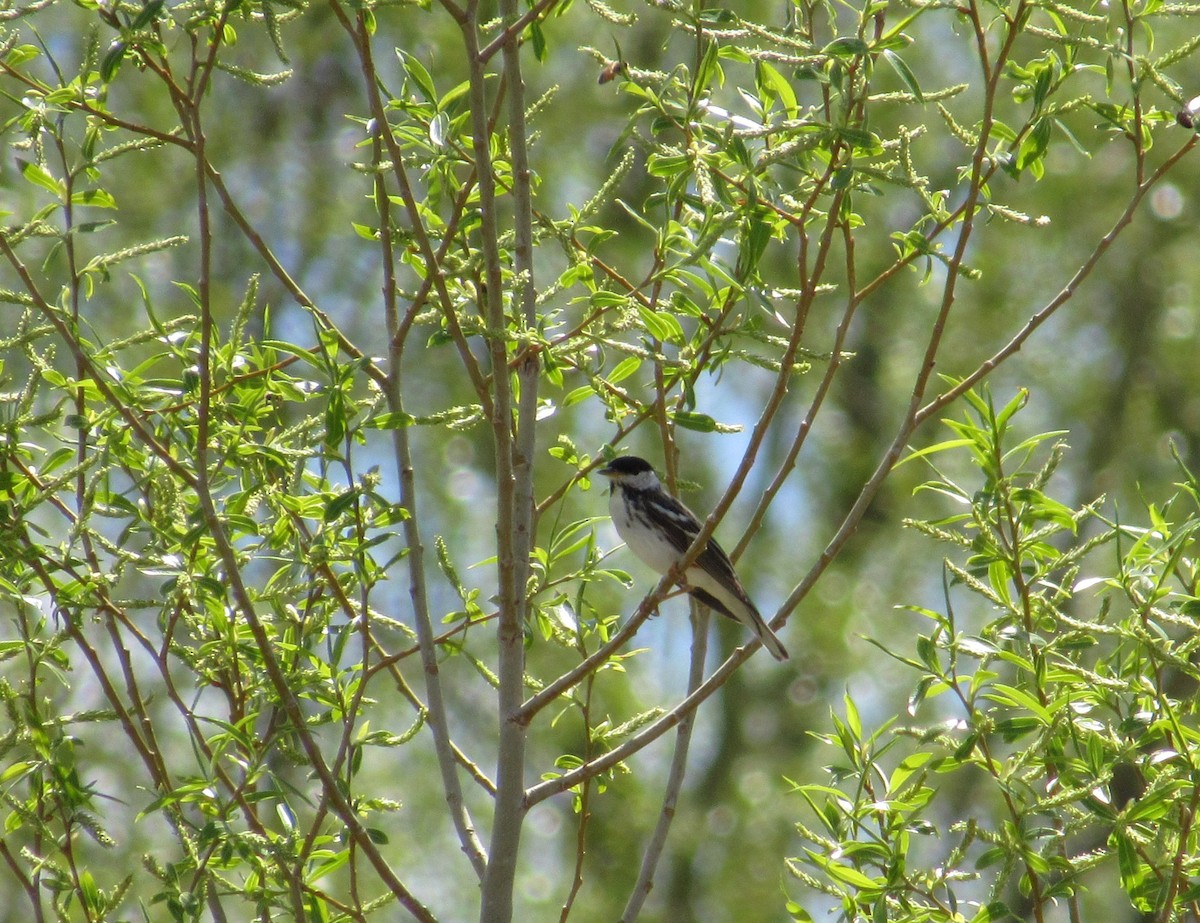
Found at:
<point>1116,369</point>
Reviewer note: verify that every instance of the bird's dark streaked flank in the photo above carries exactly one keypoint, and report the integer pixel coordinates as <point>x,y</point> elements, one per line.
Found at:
<point>659,530</point>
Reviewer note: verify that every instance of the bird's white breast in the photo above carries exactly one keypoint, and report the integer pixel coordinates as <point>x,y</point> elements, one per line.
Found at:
<point>656,553</point>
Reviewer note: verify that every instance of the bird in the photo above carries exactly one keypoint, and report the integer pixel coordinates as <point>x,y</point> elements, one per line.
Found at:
<point>659,529</point>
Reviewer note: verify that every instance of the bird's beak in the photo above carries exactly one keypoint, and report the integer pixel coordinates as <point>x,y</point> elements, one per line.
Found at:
<point>606,472</point>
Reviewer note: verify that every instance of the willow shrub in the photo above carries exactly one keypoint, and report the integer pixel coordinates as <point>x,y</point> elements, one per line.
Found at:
<point>1050,756</point>
<point>239,369</point>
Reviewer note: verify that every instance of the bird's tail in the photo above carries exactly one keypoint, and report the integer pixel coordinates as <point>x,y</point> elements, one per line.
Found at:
<point>749,616</point>
<point>768,639</point>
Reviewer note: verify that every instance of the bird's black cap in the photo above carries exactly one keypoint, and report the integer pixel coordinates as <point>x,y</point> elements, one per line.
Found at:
<point>627,464</point>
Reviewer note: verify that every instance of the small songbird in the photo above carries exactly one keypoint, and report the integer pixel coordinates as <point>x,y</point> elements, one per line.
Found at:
<point>659,529</point>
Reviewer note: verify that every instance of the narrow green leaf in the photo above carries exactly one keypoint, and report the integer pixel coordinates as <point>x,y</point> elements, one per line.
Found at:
<point>112,61</point>
<point>335,421</point>
<point>934,449</point>
<point>340,504</point>
<point>89,892</point>
<point>579,394</point>
<point>624,369</point>
<point>148,15</point>
<point>660,325</point>
<point>1011,695</point>
<point>846,47</point>
<point>420,76</point>
<point>453,94</point>
<point>776,86</point>
<point>96,198</point>
<point>19,54</point>
<point>710,70</point>
<point>907,767</point>
<point>538,38</point>
<point>699,422</point>
<point>19,768</point>
<point>904,72</point>
<point>391,420</point>
<point>37,174</point>
<point>1034,145</point>
<point>853,721</point>
<point>850,876</point>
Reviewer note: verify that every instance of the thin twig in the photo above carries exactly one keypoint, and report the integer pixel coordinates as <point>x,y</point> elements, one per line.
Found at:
<point>683,738</point>
<point>401,440</point>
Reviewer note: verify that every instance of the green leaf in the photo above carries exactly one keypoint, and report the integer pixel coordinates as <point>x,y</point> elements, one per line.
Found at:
<point>581,393</point>
<point>538,38</point>
<point>19,54</point>
<point>904,72</point>
<point>89,893</point>
<point>340,504</point>
<point>710,70</point>
<point>668,165</point>
<point>328,867</point>
<point>624,369</point>
<point>846,47</point>
<point>699,422</point>
<point>1033,146</point>
<point>91,227</point>
<point>853,721</point>
<point>662,326</point>
<point>335,420</point>
<point>865,143</point>
<point>756,234</point>
<point>907,767</point>
<point>112,61</point>
<point>452,95</point>
<point>996,910</point>
<point>935,449</point>
<point>420,76</point>
<point>148,15</point>
<point>850,876</point>
<point>1011,695</point>
<point>19,768</point>
<point>773,85</point>
<point>96,198</point>
<point>392,420</point>
<point>37,174</point>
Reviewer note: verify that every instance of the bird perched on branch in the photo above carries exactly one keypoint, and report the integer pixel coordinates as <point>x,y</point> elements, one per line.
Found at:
<point>659,529</point>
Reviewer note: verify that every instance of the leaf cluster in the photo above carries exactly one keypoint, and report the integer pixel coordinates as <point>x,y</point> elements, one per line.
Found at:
<point>1056,691</point>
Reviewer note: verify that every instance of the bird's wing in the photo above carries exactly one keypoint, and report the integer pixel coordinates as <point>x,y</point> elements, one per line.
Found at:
<point>715,561</point>
<point>679,524</point>
<point>682,527</point>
